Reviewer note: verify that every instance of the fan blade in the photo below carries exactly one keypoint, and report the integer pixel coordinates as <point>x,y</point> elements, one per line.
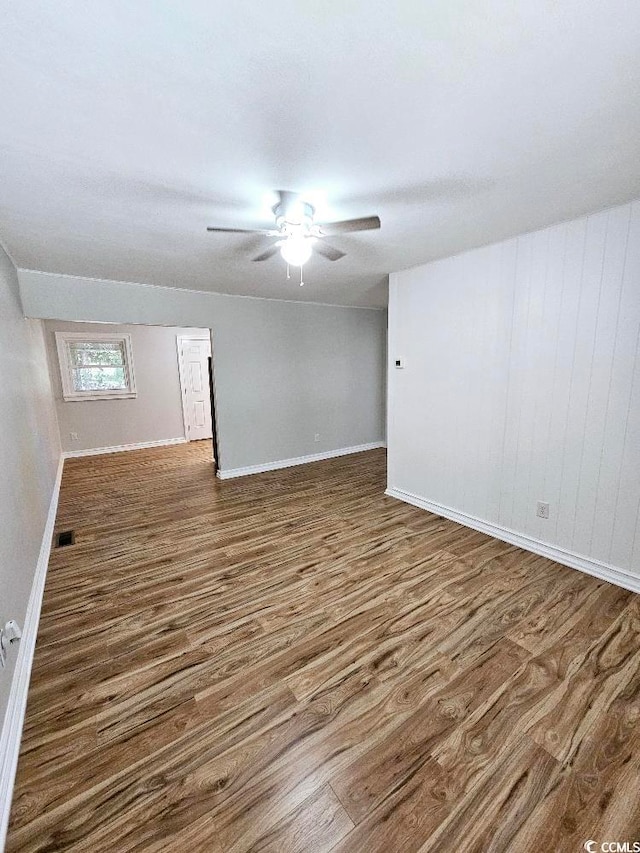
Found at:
<point>328,251</point>
<point>268,231</point>
<point>269,253</point>
<point>367,223</point>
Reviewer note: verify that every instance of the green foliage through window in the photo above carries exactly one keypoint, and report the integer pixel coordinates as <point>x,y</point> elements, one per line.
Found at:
<point>99,379</point>
<point>96,366</point>
<point>87,354</point>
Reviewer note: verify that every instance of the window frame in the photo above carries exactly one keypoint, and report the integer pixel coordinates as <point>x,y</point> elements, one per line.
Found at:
<point>69,392</point>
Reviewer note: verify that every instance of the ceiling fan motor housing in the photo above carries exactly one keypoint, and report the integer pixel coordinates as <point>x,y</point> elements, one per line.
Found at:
<point>294,219</point>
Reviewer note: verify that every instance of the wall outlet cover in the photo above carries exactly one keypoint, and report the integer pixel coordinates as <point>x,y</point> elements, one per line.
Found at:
<point>542,509</point>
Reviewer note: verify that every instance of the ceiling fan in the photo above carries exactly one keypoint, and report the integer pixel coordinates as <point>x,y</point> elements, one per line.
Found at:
<point>298,233</point>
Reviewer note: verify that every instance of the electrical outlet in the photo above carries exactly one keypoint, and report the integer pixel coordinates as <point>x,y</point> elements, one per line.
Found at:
<point>316,437</point>
<point>542,509</point>
<point>74,436</point>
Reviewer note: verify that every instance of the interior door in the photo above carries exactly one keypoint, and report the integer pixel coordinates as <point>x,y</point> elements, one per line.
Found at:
<point>194,377</point>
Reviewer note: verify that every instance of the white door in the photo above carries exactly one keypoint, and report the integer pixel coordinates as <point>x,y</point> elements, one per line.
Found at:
<point>194,377</point>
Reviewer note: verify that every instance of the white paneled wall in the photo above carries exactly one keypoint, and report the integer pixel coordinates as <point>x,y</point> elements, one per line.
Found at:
<point>522,383</point>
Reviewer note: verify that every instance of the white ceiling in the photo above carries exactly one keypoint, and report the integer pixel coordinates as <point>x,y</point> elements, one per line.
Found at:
<point>128,127</point>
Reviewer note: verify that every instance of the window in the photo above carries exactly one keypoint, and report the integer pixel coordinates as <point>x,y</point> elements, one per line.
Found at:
<point>95,367</point>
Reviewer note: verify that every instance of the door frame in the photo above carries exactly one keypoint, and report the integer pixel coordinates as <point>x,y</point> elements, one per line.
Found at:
<point>202,336</point>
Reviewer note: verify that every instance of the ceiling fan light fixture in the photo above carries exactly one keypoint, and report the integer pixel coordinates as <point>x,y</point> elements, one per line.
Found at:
<point>296,231</point>
<point>296,251</point>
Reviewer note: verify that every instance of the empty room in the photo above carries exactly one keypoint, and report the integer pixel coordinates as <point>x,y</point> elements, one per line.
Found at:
<point>320,427</point>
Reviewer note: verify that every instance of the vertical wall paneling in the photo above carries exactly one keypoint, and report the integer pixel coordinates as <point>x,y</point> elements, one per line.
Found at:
<point>626,493</point>
<point>582,358</point>
<point>522,384</point>
<point>572,270</point>
<point>601,380</point>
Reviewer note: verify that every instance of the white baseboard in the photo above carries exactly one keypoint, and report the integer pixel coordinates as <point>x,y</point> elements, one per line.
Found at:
<point>575,561</point>
<point>14,717</point>
<point>297,460</point>
<point>119,448</point>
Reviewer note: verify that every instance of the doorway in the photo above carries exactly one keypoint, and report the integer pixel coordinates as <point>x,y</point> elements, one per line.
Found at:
<point>194,354</point>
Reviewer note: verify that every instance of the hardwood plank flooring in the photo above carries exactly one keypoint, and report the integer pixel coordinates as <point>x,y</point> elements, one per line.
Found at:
<point>294,662</point>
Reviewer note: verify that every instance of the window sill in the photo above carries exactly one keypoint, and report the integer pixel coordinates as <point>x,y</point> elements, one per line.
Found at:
<point>89,396</point>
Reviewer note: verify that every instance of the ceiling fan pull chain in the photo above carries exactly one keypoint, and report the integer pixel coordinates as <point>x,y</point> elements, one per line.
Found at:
<point>301,281</point>
<point>288,272</point>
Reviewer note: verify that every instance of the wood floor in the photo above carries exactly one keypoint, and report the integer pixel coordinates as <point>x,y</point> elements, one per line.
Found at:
<point>294,662</point>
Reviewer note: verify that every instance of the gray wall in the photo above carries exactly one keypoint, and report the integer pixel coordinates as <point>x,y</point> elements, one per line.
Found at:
<point>155,414</point>
<point>284,371</point>
<point>29,455</point>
